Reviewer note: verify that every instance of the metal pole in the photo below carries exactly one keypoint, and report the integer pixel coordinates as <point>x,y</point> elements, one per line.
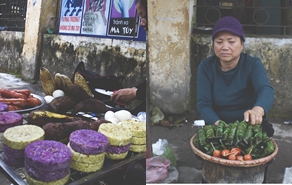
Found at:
<point>148,122</point>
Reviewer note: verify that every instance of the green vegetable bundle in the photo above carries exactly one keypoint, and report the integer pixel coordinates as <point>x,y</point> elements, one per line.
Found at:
<point>249,138</point>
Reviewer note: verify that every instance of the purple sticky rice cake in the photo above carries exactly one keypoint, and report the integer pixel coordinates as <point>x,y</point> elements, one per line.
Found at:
<point>13,152</point>
<point>14,162</point>
<point>9,119</point>
<point>3,107</point>
<point>47,155</point>
<point>118,149</point>
<point>88,142</point>
<point>46,176</point>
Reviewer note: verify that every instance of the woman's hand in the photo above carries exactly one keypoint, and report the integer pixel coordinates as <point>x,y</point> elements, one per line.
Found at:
<point>124,95</point>
<point>254,116</point>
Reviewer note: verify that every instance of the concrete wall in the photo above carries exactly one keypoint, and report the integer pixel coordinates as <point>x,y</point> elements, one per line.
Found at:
<point>10,51</point>
<point>60,54</point>
<point>169,54</point>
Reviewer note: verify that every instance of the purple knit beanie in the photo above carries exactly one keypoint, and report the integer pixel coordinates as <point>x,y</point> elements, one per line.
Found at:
<point>230,24</point>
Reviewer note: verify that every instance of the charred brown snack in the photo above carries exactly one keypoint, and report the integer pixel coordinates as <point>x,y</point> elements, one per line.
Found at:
<point>61,131</point>
<point>62,104</point>
<point>40,118</point>
<point>90,105</point>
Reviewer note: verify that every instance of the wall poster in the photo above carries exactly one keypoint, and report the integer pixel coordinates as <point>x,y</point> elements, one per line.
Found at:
<point>101,18</point>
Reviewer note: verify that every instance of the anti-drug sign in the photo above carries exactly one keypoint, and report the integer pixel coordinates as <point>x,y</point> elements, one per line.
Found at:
<point>101,18</point>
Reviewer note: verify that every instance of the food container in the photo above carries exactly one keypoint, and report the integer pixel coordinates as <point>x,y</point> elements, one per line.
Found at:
<point>218,170</point>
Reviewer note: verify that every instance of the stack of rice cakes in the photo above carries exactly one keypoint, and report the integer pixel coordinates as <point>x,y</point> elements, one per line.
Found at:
<point>47,162</point>
<point>15,141</point>
<point>88,149</point>
<point>119,138</point>
<point>7,120</point>
<point>138,129</point>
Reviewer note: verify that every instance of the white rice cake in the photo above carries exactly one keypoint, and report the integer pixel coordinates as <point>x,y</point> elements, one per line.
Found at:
<point>84,158</point>
<point>32,181</point>
<point>138,148</point>
<point>19,137</point>
<point>86,167</point>
<point>138,140</point>
<point>118,135</point>
<point>116,156</point>
<point>137,127</point>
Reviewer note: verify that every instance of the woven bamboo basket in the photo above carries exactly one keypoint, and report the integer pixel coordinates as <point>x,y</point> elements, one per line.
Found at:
<point>236,163</point>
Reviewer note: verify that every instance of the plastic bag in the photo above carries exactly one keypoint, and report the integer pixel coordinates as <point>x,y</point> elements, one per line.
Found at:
<point>142,116</point>
<point>157,169</point>
<point>161,148</point>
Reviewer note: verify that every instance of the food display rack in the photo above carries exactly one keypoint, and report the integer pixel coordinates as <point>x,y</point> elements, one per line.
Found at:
<point>16,175</point>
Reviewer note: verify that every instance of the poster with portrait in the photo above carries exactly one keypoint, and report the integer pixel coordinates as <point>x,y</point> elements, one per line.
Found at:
<point>71,16</point>
<point>95,17</point>
<point>123,21</point>
<point>101,18</point>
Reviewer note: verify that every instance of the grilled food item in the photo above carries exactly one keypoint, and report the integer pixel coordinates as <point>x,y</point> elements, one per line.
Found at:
<point>90,105</point>
<point>76,92</point>
<point>61,131</point>
<point>79,80</point>
<point>61,81</point>
<point>62,104</point>
<point>40,118</point>
<point>47,81</point>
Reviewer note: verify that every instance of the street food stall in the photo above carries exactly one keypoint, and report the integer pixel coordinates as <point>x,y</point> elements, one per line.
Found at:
<point>17,175</point>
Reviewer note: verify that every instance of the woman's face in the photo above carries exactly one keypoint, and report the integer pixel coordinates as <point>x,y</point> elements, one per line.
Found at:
<point>227,46</point>
<point>141,10</point>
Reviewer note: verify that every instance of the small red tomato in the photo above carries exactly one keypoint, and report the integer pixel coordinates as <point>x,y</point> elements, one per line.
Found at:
<point>236,151</point>
<point>247,157</point>
<point>217,153</point>
<point>232,157</point>
<point>225,152</point>
<point>239,157</point>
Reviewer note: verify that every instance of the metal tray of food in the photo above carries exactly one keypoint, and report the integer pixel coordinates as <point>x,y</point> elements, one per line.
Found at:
<point>17,177</point>
<point>43,102</point>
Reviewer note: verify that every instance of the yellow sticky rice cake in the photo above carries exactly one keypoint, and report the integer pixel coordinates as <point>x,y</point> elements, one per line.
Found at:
<point>32,181</point>
<point>84,158</point>
<point>86,167</point>
<point>138,140</point>
<point>138,148</point>
<point>138,128</point>
<point>116,156</point>
<point>118,135</point>
<point>19,137</point>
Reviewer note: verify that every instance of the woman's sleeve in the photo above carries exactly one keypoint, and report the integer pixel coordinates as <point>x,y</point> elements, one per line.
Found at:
<point>265,92</point>
<point>204,95</point>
